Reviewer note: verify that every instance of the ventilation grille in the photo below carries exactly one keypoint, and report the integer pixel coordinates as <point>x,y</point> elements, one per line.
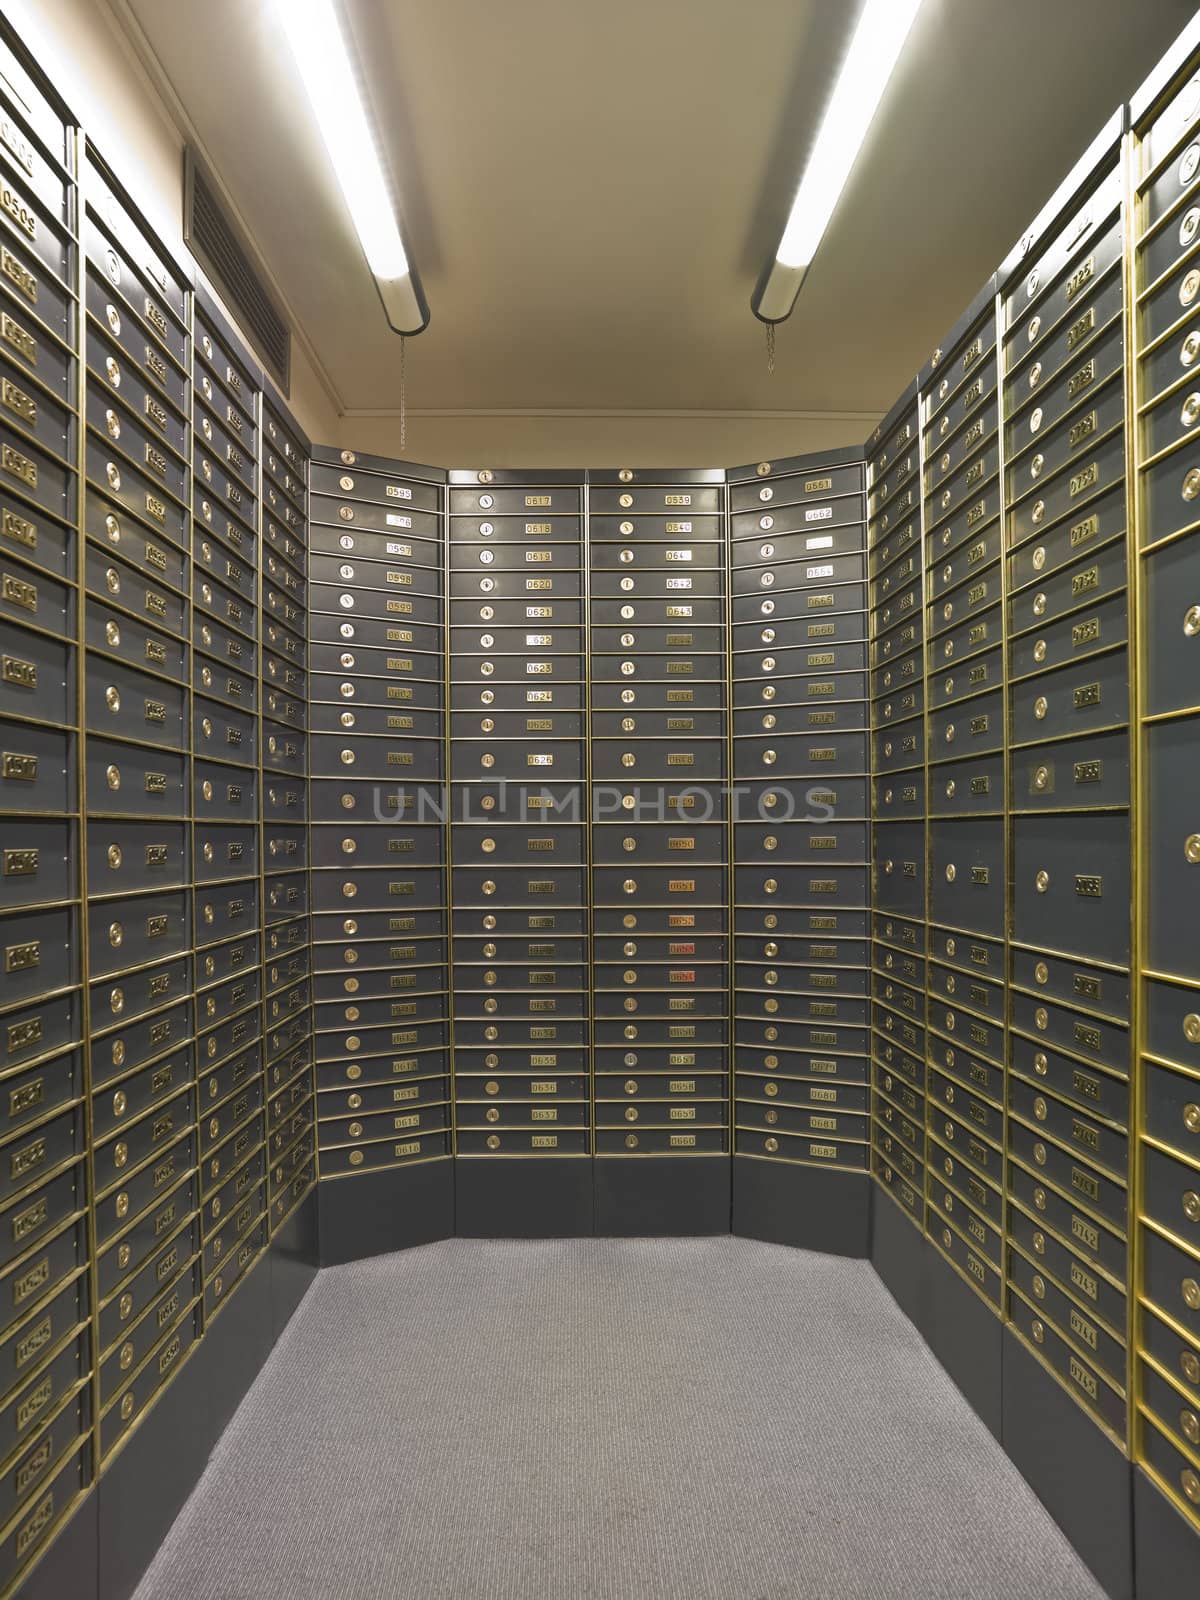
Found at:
<point>221,251</point>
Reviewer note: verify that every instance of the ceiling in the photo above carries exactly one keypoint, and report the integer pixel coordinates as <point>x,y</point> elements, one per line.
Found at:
<point>591,189</point>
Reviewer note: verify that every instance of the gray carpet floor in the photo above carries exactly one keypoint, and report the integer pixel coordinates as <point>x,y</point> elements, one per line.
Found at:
<point>608,1420</point>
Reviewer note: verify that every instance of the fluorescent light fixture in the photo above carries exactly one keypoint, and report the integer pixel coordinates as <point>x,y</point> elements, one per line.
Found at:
<point>874,50</point>
<point>315,33</point>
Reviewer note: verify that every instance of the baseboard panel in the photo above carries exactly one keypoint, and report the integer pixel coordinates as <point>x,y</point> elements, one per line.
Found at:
<point>69,1569</point>
<point>1079,1475</point>
<point>523,1197</point>
<point>295,1255</point>
<point>809,1208</point>
<point>1166,1546</point>
<point>375,1213</point>
<point>148,1481</point>
<point>650,1197</point>
<point>899,1254</point>
<point>965,1334</point>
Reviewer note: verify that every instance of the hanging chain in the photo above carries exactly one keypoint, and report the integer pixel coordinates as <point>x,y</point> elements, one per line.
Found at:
<point>403,392</point>
<point>770,347</point>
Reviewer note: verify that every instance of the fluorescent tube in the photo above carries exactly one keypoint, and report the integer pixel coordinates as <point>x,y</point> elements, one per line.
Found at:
<point>874,50</point>
<point>314,32</point>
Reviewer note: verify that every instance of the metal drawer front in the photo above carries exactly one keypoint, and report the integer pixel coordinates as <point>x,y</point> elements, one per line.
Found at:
<point>1090,581</point>
<point>1172,602</point>
<point>222,792</point>
<point>1072,885</point>
<point>37,768</point>
<point>37,862</point>
<point>1071,638</point>
<point>967,878</point>
<point>954,682</point>
<point>130,932</point>
<point>135,491</point>
<point>1173,1109</point>
<point>1073,699</point>
<point>789,606</point>
<point>139,1040</point>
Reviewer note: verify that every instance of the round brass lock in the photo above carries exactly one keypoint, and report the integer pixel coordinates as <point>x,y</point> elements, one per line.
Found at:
<point>1191,849</point>
<point>631,1113</point>
<point>1041,1064</point>
<point>1191,1117</point>
<point>771,920</point>
<point>771,886</point>
<point>1189,1365</point>
<point>127,1404</point>
<point>1039,1153</point>
<point>1041,781</point>
<point>950,733</point>
<point>1191,1205</point>
<point>1038,1329</point>
<point>493,1141</point>
<point>1042,972</point>
<point>492,1114</point>
<point>1040,1109</point>
<point>951,872</point>
<point>1042,881</point>
<point>1039,1198</point>
<point>1191,1027</point>
<point>771,1144</point>
<point>1039,651</point>
<point>771,1063</point>
<point>771,1034</point>
<point>1035,374</point>
<point>625,500</point>
<point>631,1141</point>
<point>1191,484</point>
<point>1190,1483</point>
<point>1191,622</point>
<point>1191,1294</point>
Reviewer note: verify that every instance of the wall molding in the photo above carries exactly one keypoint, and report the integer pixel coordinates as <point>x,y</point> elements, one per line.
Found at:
<point>582,414</point>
